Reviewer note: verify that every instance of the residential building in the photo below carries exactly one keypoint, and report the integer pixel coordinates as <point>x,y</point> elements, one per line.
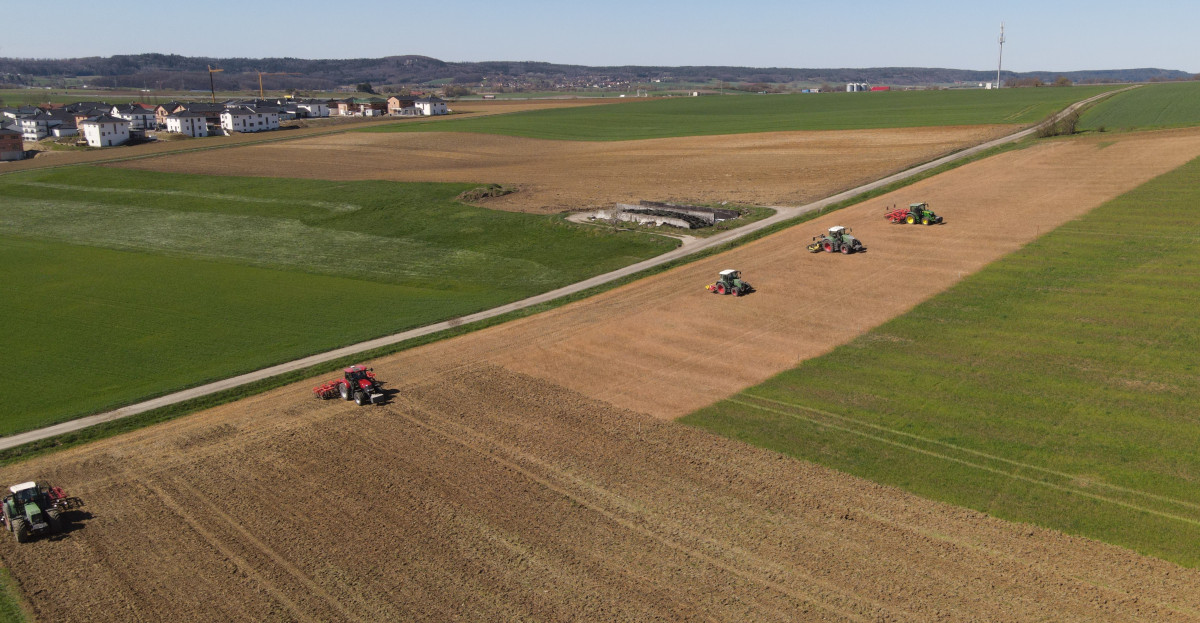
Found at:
<point>12,145</point>
<point>162,110</point>
<point>401,105</point>
<point>313,108</point>
<point>140,119</point>
<point>193,124</point>
<point>432,105</point>
<point>105,131</point>
<point>245,119</point>
<point>36,126</point>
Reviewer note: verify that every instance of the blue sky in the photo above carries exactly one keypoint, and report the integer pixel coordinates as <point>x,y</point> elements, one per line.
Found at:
<point>1052,36</point>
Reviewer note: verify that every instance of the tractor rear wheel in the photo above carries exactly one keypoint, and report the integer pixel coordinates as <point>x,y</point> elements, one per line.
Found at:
<point>20,527</point>
<point>829,247</point>
<point>720,288</point>
<point>344,390</point>
<point>910,219</point>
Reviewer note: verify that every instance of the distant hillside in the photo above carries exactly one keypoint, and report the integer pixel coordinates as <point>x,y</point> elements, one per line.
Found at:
<point>181,72</point>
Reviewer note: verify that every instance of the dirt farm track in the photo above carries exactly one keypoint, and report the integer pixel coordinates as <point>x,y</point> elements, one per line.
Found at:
<point>530,471</point>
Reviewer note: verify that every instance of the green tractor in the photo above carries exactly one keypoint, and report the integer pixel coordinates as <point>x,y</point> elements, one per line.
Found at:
<point>36,508</point>
<point>913,214</point>
<point>838,239</point>
<point>730,282</point>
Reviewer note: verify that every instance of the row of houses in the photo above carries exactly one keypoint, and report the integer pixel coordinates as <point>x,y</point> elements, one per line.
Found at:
<point>104,125</point>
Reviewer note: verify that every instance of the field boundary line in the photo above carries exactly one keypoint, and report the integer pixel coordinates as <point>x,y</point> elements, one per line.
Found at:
<point>979,453</point>
<point>993,470</point>
<point>688,248</point>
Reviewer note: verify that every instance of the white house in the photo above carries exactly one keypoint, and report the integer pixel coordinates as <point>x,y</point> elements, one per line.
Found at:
<point>37,126</point>
<point>431,106</point>
<point>193,124</point>
<point>244,119</point>
<point>140,119</point>
<point>105,131</point>
<point>314,108</point>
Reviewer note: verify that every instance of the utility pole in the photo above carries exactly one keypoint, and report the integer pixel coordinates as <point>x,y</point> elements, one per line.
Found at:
<point>1000,62</point>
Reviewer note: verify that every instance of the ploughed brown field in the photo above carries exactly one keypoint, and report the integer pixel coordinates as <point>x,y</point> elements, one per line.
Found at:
<point>774,168</point>
<point>520,473</point>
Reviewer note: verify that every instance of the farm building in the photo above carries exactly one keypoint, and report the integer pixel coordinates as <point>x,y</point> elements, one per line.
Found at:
<point>193,124</point>
<point>881,88</point>
<point>244,119</point>
<point>856,87</point>
<point>12,145</point>
<point>105,131</point>
<point>432,106</point>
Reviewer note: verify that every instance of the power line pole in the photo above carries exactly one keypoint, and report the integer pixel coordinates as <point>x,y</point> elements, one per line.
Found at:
<point>1000,62</point>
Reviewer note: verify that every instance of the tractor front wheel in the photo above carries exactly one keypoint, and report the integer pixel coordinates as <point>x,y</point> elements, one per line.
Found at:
<point>361,399</point>
<point>846,250</point>
<point>56,523</point>
<point>925,221</point>
<point>20,527</point>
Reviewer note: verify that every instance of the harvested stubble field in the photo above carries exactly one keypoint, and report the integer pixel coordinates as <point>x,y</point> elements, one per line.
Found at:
<point>501,482</point>
<point>774,168</point>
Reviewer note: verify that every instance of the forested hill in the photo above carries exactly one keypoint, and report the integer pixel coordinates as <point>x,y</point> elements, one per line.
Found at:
<point>174,71</point>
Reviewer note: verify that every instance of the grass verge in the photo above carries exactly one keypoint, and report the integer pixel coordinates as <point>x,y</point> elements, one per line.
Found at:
<point>13,607</point>
<point>1057,386</point>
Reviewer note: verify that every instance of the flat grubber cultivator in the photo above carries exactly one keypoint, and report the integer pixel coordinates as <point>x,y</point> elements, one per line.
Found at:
<point>838,239</point>
<point>357,383</point>
<point>35,509</point>
<point>730,282</point>
<point>913,214</point>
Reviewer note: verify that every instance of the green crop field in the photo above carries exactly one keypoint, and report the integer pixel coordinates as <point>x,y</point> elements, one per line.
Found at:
<point>1151,106</point>
<point>709,115</point>
<point>122,284</point>
<point>1057,386</point>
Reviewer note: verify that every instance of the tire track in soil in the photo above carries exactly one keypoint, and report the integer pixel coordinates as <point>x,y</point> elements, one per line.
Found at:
<point>568,486</point>
<point>228,551</point>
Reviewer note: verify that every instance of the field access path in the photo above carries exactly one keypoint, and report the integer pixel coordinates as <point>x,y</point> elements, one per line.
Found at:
<point>689,247</point>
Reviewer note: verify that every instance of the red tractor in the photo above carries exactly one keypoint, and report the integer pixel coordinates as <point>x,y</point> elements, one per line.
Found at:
<point>358,383</point>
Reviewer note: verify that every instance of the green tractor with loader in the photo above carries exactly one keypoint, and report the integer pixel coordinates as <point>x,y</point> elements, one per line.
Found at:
<point>837,240</point>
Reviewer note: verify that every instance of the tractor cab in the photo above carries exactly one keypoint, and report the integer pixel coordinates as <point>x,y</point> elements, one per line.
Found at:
<point>837,232</point>
<point>25,492</point>
<point>357,373</point>
<point>729,276</point>
<point>918,207</point>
